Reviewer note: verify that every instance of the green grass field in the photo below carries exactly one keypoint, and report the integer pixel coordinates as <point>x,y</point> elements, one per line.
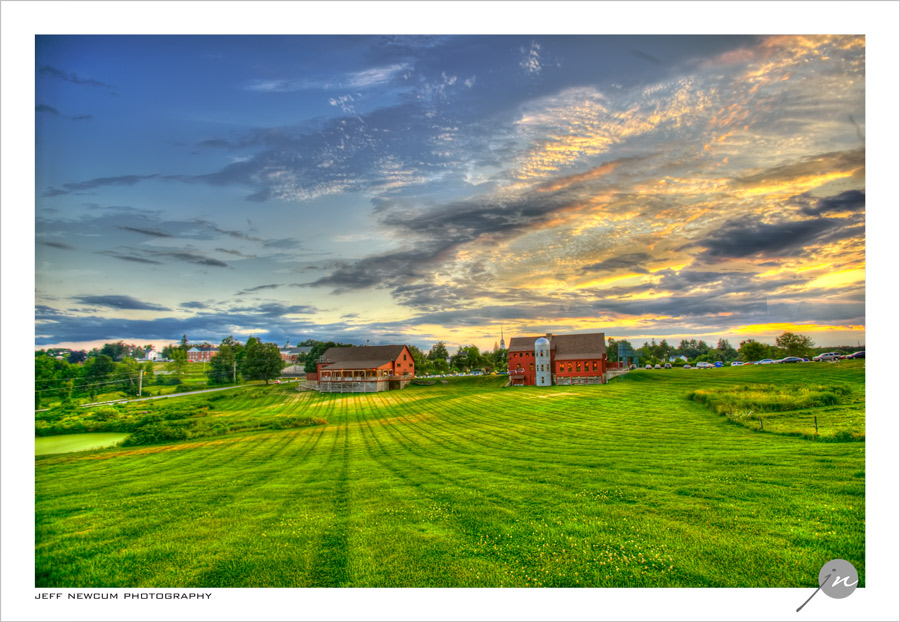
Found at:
<point>632,484</point>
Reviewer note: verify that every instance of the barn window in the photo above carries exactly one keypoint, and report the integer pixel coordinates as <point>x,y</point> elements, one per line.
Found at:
<point>595,365</point>
<point>562,367</point>
<point>578,366</point>
<point>532,366</point>
<point>570,367</point>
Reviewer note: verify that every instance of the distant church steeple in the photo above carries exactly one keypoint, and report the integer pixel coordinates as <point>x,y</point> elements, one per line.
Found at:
<point>502,342</point>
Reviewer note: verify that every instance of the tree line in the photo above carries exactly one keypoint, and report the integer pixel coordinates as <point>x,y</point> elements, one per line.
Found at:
<point>787,344</point>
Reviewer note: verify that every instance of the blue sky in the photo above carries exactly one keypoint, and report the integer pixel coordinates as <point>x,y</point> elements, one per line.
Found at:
<point>415,189</point>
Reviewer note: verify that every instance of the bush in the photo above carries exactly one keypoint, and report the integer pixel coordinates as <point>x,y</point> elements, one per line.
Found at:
<point>297,422</point>
<point>156,432</point>
<point>104,413</point>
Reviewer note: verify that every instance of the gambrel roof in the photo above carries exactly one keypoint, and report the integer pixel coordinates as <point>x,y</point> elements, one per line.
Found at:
<point>565,347</point>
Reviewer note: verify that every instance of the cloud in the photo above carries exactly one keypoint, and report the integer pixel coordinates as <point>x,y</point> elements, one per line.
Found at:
<point>119,302</point>
<point>47,109</point>
<point>191,258</point>
<point>376,76</point>
<point>813,166</point>
<point>629,261</point>
<point>743,238</point>
<point>132,258</point>
<point>530,61</point>
<point>646,57</point>
<point>53,72</point>
<point>847,201</point>
<point>59,245</point>
<point>123,180</point>
<point>150,232</point>
<point>258,288</point>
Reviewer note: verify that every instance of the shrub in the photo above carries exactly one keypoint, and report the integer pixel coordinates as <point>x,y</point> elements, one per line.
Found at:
<point>297,422</point>
<point>156,432</point>
<point>104,413</point>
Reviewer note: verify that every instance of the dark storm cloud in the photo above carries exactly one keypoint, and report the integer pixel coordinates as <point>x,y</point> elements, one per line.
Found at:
<point>47,109</point>
<point>59,245</point>
<point>631,261</point>
<point>848,201</point>
<point>53,72</point>
<point>119,302</point>
<point>123,180</point>
<point>740,238</point>
<point>53,327</point>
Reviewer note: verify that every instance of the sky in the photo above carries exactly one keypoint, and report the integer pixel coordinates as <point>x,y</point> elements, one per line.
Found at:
<point>410,189</point>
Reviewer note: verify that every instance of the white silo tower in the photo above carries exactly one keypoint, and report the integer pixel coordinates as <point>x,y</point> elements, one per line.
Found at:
<point>542,362</point>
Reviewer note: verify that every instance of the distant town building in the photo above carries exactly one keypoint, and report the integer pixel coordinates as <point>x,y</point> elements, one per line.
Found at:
<point>558,359</point>
<point>201,353</point>
<point>364,369</point>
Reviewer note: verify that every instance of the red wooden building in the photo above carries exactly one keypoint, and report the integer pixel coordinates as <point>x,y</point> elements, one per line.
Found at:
<point>558,359</point>
<point>201,353</point>
<point>364,369</point>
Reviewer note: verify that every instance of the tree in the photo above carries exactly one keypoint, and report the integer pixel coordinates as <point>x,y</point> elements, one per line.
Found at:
<point>438,355</point>
<point>116,351</point>
<point>185,346</point>
<point>96,370</point>
<point>262,361</point>
<point>751,350</point>
<point>77,356</point>
<point>438,352</point>
<point>795,345</point>
<point>223,364</point>
<point>178,366</point>
<point>725,350</point>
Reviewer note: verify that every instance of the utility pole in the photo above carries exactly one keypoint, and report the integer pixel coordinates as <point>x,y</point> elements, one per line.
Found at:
<point>141,383</point>
<point>234,372</point>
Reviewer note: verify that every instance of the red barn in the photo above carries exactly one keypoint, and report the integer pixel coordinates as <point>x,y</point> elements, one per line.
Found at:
<point>364,369</point>
<point>558,359</point>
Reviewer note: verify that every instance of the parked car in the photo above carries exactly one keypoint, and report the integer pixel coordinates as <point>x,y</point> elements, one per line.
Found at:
<point>766,362</point>
<point>858,355</point>
<point>719,364</point>
<point>827,356</point>
<point>736,363</point>
<point>790,359</point>
<point>704,365</point>
<point>668,365</point>
<point>687,365</point>
<point>648,366</point>
<point>657,366</point>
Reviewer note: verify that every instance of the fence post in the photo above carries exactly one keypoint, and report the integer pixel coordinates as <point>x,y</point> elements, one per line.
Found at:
<point>816,421</point>
<point>760,423</point>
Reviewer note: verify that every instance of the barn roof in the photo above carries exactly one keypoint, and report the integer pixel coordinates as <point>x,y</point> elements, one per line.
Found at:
<point>351,365</point>
<point>565,347</point>
<point>363,354</point>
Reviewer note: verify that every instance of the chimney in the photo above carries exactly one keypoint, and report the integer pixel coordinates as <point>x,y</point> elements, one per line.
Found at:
<point>549,336</point>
